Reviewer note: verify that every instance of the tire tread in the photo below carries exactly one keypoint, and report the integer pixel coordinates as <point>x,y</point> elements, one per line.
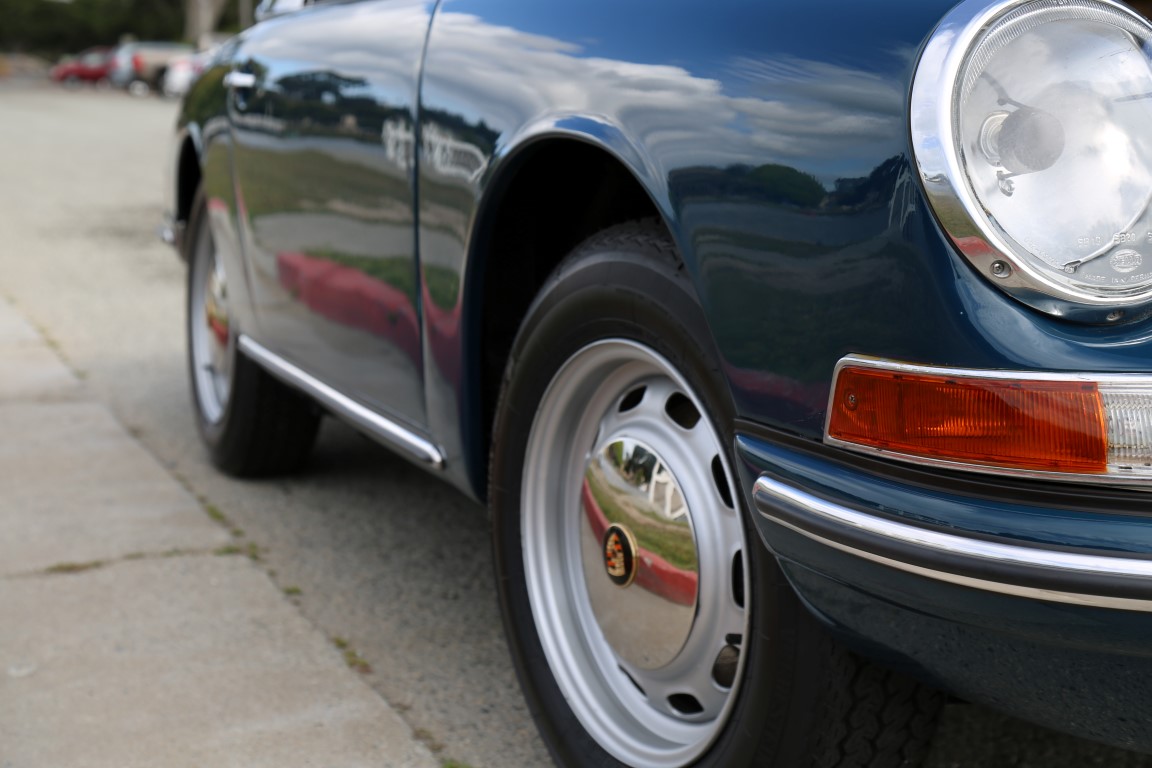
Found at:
<point>876,718</point>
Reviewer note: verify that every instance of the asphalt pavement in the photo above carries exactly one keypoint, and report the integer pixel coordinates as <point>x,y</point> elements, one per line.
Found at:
<point>155,613</point>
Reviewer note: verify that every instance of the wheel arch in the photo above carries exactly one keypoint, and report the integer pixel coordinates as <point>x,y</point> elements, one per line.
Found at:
<point>188,171</point>
<point>525,225</point>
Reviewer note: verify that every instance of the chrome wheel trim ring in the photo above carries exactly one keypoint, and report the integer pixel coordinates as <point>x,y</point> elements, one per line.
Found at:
<point>212,361</point>
<point>625,709</point>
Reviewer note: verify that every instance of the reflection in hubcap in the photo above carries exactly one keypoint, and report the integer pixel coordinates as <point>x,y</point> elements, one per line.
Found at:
<point>216,307</point>
<point>635,512</point>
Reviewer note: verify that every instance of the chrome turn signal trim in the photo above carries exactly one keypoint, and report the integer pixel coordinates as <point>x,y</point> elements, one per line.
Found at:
<point>1127,413</point>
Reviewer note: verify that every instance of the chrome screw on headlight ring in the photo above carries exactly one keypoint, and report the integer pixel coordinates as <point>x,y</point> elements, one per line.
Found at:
<point>1029,126</point>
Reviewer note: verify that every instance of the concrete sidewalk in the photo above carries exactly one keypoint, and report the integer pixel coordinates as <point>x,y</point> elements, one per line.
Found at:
<point>131,634</point>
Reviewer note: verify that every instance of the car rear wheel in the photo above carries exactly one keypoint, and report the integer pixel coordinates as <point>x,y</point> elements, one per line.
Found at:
<point>252,424</point>
<point>648,624</point>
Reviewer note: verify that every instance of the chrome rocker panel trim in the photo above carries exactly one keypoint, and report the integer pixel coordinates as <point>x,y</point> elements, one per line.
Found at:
<point>1100,581</point>
<point>373,424</point>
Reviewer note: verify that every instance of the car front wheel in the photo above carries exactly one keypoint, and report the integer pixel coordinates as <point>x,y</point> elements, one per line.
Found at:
<point>648,624</point>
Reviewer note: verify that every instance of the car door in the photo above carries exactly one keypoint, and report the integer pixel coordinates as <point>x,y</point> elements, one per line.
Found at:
<point>322,104</point>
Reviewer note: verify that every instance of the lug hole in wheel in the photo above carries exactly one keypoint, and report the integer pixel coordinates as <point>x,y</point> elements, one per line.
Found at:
<point>681,410</point>
<point>632,399</point>
<point>724,668</point>
<point>685,704</point>
<point>721,482</point>
<point>738,579</point>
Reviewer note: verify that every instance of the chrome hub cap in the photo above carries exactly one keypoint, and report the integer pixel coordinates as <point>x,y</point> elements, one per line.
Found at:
<point>636,515</point>
<point>634,555</point>
<point>212,341</point>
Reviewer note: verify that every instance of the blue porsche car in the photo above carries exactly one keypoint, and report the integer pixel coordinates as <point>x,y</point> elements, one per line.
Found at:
<point>802,352</point>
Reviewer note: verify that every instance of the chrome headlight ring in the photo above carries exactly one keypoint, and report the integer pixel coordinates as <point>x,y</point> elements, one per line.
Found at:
<point>1031,125</point>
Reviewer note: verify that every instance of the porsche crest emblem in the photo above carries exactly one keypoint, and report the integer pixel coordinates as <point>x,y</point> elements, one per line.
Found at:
<point>620,555</point>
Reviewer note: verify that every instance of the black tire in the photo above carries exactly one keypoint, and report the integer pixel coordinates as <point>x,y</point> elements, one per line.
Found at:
<point>797,698</point>
<point>252,424</point>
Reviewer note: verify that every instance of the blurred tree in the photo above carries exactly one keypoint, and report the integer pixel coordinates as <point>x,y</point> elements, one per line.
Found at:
<point>52,27</point>
<point>201,18</point>
<point>244,13</point>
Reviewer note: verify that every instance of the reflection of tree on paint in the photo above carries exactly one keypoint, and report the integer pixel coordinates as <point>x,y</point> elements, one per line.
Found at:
<point>325,87</point>
<point>785,185</point>
<point>872,191</point>
<point>772,183</point>
<point>327,102</point>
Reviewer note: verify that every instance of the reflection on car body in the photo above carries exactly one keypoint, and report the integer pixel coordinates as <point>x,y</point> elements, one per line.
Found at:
<point>788,400</point>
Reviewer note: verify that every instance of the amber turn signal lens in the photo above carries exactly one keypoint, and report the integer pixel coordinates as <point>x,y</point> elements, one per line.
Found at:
<point>1025,424</point>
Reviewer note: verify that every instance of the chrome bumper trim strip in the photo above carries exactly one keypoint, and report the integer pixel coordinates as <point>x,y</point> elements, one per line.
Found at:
<point>372,423</point>
<point>980,561</point>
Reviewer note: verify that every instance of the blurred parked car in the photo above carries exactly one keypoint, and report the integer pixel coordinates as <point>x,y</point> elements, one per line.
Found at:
<point>799,350</point>
<point>182,71</point>
<point>89,66</point>
<point>140,67</point>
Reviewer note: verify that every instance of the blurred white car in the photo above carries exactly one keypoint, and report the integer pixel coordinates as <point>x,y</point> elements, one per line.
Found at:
<point>140,67</point>
<point>182,71</point>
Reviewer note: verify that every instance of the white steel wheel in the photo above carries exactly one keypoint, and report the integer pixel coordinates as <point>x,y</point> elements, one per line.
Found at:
<point>650,667</point>
<point>212,345</point>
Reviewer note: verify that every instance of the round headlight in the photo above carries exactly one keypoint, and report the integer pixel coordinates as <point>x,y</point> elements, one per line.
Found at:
<point>1032,129</point>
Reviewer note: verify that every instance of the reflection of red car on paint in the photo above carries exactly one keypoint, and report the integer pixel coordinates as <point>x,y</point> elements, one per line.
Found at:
<point>88,66</point>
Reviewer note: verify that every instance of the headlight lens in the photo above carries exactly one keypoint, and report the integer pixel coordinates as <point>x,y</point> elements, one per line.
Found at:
<point>1035,147</point>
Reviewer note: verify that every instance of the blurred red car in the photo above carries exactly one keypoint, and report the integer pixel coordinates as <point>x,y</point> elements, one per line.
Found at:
<point>89,66</point>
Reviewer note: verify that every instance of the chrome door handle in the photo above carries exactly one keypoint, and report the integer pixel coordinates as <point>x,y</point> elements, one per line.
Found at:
<point>240,80</point>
